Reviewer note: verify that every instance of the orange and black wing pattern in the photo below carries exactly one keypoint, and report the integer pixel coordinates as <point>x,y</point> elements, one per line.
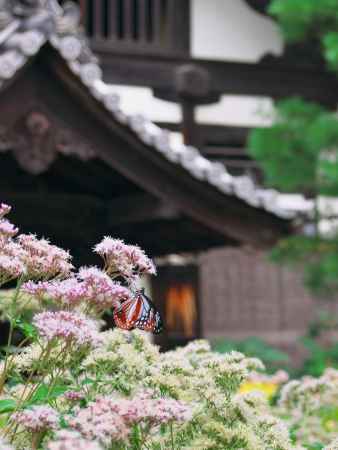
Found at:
<point>139,312</point>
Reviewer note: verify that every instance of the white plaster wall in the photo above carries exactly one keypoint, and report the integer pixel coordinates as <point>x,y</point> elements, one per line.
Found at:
<point>231,30</point>
<point>139,100</point>
<point>221,30</point>
<point>230,110</point>
<point>237,110</point>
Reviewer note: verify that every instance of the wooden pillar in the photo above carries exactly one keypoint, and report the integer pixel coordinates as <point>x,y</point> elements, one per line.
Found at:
<point>189,127</point>
<point>192,84</point>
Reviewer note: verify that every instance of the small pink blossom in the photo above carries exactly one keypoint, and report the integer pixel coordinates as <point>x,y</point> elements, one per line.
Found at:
<point>101,291</point>
<point>91,287</point>
<point>12,248</point>
<point>10,268</point>
<point>36,419</point>
<point>74,396</point>
<point>4,210</point>
<point>110,418</point>
<point>130,261</point>
<point>99,421</point>
<point>42,259</point>
<point>68,326</point>
<point>70,440</point>
<point>7,229</point>
<point>68,292</point>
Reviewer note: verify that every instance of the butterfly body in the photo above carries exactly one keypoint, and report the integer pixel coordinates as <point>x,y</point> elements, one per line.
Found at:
<point>138,312</point>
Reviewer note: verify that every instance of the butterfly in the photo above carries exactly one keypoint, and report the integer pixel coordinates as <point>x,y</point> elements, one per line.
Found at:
<point>138,312</point>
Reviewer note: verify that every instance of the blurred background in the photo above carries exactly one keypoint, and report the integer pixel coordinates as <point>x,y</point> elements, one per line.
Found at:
<point>86,90</point>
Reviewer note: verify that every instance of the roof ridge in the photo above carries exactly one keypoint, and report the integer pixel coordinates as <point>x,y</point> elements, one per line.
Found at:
<point>24,35</point>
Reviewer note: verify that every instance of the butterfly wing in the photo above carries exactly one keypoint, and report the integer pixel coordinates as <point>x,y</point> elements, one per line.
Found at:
<point>128,313</point>
<point>138,312</point>
<point>150,319</point>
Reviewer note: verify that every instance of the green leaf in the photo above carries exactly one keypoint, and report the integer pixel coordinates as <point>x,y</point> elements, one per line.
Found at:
<point>44,393</point>
<point>7,405</point>
<point>87,381</point>
<point>27,329</point>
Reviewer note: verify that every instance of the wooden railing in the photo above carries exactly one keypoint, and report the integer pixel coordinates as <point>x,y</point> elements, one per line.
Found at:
<point>138,26</point>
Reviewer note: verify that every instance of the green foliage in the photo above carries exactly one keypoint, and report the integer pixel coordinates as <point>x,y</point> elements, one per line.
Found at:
<point>319,357</point>
<point>299,152</point>
<point>318,257</point>
<point>300,19</point>
<point>316,446</point>
<point>291,150</point>
<point>7,405</point>
<point>303,19</point>
<point>254,347</point>
<point>45,393</point>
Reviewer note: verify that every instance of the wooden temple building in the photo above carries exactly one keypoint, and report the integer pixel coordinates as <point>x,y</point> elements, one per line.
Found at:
<point>76,166</point>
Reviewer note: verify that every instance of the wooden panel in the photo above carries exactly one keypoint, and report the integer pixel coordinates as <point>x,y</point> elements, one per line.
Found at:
<point>159,13</point>
<point>138,26</point>
<point>243,293</point>
<point>128,19</point>
<point>142,20</point>
<point>98,19</point>
<point>112,18</point>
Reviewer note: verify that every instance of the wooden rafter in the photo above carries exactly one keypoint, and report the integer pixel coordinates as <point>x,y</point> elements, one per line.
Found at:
<point>275,78</point>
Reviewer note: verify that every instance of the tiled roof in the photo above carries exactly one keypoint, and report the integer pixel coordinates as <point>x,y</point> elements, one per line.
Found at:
<point>25,29</point>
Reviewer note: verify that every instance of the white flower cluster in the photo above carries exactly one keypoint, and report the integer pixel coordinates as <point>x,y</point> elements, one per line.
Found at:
<point>308,405</point>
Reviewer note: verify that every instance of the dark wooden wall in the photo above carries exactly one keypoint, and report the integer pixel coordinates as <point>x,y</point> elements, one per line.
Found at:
<point>157,27</point>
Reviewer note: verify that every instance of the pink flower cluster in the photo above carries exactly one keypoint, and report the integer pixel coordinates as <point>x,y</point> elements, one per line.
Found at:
<point>111,418</point>
<point>71,327</point>
<point>27,255</point>
<point>279,377</point>
<point>4,210</point>
<point>38,418</point>
<point>99,421</point>
<point>101,291</point>
<point>91,286</point>
<point>130,261</point>
<point>7,229</point>
<point>10,268</point>
<point>70,440</point>
<point>42,259</point>
<point>66,292</point>
<point>74,396</point>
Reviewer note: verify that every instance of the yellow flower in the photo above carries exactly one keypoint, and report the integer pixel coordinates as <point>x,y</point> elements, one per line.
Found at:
<point>330,425</point>
<point>267,388</point>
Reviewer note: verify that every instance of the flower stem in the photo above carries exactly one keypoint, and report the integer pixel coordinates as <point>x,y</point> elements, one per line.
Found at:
<point>172,436</point>
<point>10,334</point>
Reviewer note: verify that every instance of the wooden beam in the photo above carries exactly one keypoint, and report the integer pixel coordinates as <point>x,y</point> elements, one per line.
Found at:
<point>215,150</point>
<point>274,79</point>
<point>227,136</point>
<point>137,209</point>
<point>79,210</point>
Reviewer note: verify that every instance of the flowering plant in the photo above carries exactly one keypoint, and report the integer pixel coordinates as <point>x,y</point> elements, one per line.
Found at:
<point>68,385</point>
<point>310,407</point>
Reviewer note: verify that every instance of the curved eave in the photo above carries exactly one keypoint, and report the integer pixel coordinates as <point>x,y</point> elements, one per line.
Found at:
<point>164,179</point>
